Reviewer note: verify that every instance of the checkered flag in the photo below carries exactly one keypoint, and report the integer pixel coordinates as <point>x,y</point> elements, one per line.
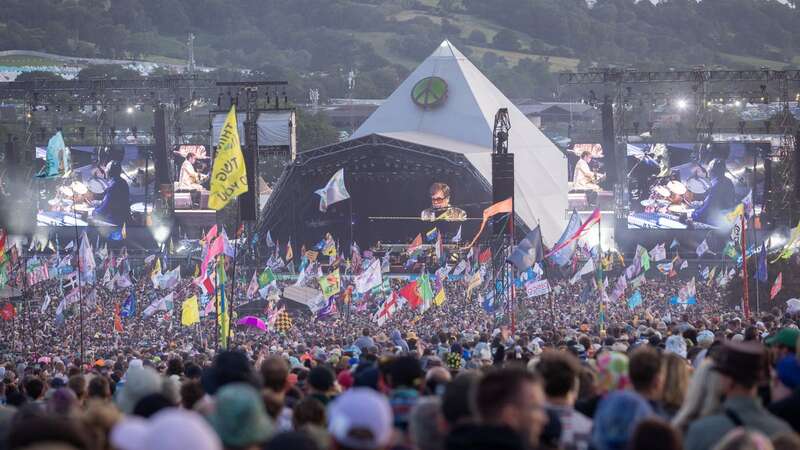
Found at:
<point>283,322</point>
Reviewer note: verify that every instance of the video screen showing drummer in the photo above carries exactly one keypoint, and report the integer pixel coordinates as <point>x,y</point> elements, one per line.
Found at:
<point>685,200</point>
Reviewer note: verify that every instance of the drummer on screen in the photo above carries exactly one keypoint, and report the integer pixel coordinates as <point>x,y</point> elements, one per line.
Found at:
<point>116,205</point>
<point>721,196</point>
<point>190,179</point>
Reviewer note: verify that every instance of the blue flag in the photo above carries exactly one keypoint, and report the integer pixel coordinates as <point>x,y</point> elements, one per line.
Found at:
<point>564,255</point>
<point>635,300</point>
<point>128,306</point>
<point>761,272</point>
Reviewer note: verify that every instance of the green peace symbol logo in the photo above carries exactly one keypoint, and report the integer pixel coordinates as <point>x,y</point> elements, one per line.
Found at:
<point>429,92</point>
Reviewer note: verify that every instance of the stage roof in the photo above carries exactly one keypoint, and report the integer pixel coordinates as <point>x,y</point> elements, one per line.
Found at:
<point>462,121</point>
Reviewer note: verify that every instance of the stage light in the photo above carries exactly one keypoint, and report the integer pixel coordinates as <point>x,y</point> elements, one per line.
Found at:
<point>737,103</point>
<point>682,103</point>
<point>160,233</point>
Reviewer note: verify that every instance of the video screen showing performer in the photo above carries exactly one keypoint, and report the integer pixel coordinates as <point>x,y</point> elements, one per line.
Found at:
<point>690,185</point>
<point>440,208</point>
<point>103,186</point>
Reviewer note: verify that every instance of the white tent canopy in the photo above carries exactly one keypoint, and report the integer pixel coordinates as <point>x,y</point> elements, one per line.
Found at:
<point>463,123</point>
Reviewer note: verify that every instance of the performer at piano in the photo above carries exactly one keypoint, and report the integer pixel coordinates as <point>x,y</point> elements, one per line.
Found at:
<point>720,198</point>
<point>583,178</point>
<point>190,179</point>
<point>116,205</point>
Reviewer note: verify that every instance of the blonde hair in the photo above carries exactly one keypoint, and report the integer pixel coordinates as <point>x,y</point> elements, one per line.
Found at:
<point>703,398</point>
<point>676,381</point>
<point>742,439</point>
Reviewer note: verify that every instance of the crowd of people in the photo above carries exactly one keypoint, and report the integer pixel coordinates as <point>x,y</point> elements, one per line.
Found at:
<point>565,374</point>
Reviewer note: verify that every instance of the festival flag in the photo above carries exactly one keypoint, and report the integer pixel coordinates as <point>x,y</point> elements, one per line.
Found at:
<point>475,281</point>
<point>334,191</point>
<point>330,284</point>
<point>86,260</point>
<point>414,245</point>
<point>736,213</point>
<point>355,256</point>
<point>159,304</point>
<point>635,300</point>
<point>588,267</point>
<point>170,279</point>
<point>702,248</point>
<point>642,258</point>
<point>8,312</point>
<point>529,250</point>
<point>56,159</point>
<point>761,271</point>
<point>389,307</point>
<point>328,310</point>
<point>117,319</point>
<point>411,294</point>
<point>790,246</point>
<point>266,278</point>
<point>457,238</point>
<point>228,173</point>
<point>658,253</point>
<point>45,304</point>
<point>124,232</point>
<point>190,311</point>
<point>503,207</point>
<point>289,253</point>
<point>594,218</point>
<point>425,291</point>
<point>129,306</point>
<point>431,235</point>
<point>747,203</point>
<point>485,256</point>
<point>441,296</point>
<point>711,276</point>
<point>252,288</point>
<point>704,274</point>
<point>369,278</point>
<point>270,243</point>
<point>776,287</point>
<point>329,248</point>
<point>686,295</point>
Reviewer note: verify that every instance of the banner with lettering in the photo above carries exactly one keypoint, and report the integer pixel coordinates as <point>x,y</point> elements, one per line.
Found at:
<point>228,176</point>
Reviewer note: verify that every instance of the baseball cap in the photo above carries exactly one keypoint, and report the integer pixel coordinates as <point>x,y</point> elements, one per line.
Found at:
<point>786,337</point>
<point>788,371</point>
<point>361,419</point>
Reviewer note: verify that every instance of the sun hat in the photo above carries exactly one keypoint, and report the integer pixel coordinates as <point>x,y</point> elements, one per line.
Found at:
<point>240,418</point>
<point>361,419</point>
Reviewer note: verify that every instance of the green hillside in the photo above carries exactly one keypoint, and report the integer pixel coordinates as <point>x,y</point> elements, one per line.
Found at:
<point>520,44</point>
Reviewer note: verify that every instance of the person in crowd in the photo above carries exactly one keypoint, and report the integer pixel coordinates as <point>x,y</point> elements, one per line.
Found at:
<point>784,342</point>
<point>360,419</point>
<point>510,408</point>
<point>560,372</point>
<point>741,367</point>
<point>616,418</point>
<point>425,424</point>
<point>703,396</point>
<point>655,434</point>
<point>676,383</point>
<point>786,391</point>
<point>647,376</point>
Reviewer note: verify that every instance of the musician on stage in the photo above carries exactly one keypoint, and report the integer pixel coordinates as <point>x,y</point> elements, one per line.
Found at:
<point>116,205</point>
<point>583,178</point>
<point>721,196</point>
<point>440,206</point>
<point>190,179</point>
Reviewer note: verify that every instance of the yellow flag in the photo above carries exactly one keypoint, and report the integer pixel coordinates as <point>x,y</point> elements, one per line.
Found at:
<point>190,313</point>
<point>124,232</point>
<point>439,299</point>
<point>228,175</point>
<point>156,268</point>
<point>738,211</point>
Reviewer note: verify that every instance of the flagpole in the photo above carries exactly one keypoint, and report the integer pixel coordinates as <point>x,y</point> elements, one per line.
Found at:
<point>235,251</point>
<point>746,297</point>
<point>755,230</point>
<point>80,282</point>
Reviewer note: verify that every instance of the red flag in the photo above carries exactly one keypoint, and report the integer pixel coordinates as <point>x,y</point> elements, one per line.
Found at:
<point>117,320</point>
<point>415,244</point>
<point>8,312</point>
<point>409,292</point>
<point>240,231</point>
<point>776,287</point>
<point>485,256</point>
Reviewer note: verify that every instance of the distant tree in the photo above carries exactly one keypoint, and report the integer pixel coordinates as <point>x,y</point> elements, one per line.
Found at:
<point>447,5</point>
<point>477,37</point>
<point>314,130</point>
<point>492,59</point>
<point>38,75</point>
<point>450,30</point>
<point>506,40</point>
<point>108,71</point>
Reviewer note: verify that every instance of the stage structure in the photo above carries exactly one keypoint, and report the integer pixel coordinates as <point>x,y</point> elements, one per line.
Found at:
<point>428,148</point>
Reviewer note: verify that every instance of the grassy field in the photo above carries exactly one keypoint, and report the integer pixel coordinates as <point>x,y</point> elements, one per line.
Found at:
<point>755,62</point>
<point>19,60</point>
<point>557,63</point>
